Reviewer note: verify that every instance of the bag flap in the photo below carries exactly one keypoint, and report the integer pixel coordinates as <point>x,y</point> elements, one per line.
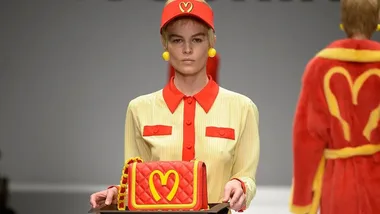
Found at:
<point>164,184</point>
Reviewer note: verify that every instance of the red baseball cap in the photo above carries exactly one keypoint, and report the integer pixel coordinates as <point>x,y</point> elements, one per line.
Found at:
<point>193,8</point>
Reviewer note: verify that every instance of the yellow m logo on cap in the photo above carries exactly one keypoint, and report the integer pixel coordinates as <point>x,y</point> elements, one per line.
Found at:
<point>185,7</point>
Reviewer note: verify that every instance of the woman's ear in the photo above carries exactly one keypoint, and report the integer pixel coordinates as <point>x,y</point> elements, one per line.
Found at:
<point>213,41</point>
<point>164,43</point>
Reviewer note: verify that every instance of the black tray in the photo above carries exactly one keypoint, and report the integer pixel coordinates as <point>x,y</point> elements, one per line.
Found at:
<point>220,208</point>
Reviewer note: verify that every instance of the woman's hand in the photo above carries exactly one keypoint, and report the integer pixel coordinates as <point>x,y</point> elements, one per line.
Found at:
<point>233,192</point>
<point>105,197</point>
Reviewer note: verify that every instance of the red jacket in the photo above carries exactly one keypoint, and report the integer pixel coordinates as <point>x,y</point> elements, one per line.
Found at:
<point>336,131</point>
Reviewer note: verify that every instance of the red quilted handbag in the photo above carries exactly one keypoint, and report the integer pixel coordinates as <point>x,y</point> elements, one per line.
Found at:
<point>163,185</point>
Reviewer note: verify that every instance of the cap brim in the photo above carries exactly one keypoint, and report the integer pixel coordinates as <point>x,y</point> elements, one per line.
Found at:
<point>189,15</point>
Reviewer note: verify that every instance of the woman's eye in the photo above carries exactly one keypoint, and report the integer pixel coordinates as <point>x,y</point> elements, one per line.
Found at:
<point>176,40</point>
<point>197,40</point>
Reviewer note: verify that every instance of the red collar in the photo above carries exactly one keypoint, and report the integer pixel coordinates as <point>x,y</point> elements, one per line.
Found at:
<point>357,44</point>
<point>205,97</point>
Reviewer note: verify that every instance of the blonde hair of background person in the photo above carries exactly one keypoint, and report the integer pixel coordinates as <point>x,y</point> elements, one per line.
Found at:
<point>192,116</point>
<point>360,17</point>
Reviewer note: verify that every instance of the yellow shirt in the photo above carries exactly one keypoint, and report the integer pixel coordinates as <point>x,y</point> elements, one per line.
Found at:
<point>216,126</point>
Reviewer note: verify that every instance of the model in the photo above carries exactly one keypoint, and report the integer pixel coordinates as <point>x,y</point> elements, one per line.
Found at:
<point>336,134</point>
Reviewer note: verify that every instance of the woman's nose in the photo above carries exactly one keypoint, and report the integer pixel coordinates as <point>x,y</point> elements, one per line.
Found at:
<point>187,49</point>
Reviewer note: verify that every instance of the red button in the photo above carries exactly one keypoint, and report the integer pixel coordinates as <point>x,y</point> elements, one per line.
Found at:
<point>189,147</point>
<point>188,122</point>
<point>221,132</point>
<point>189,100</point>
<point>155,130</point>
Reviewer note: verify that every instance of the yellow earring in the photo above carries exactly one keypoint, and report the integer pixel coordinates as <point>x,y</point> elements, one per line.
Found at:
<point>166,56</point>
<point>211,52</point>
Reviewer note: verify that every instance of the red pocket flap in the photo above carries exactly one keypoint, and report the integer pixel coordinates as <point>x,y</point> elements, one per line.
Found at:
<point>221,132</point>
<point>157,130</point>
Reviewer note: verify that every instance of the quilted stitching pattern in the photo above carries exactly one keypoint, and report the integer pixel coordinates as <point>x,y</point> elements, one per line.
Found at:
<point>184,194</point>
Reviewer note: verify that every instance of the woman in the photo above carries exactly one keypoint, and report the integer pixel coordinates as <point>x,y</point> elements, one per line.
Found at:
<point>192,117</point>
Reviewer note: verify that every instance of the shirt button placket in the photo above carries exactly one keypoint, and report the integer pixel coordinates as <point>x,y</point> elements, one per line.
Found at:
<point>188,129</point>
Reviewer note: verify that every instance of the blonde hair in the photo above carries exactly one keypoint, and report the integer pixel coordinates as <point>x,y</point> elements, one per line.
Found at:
<point>210,31</point>
<point>360,16</point>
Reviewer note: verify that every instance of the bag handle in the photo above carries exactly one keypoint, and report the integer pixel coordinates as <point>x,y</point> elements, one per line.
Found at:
<point>122,191</point>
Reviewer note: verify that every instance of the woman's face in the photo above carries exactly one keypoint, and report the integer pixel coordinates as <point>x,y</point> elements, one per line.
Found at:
<point>188,46</point>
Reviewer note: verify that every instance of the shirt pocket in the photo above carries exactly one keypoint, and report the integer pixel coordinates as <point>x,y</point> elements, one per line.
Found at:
<point>157,130</point>
<point>220,132</point>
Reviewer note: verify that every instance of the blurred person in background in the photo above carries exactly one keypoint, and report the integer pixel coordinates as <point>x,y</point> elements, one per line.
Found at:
<point>336,133</point>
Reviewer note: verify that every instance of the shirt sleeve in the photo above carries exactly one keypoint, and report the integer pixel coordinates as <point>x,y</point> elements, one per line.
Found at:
<point>247,152</point>
<point>308,144</point>
<point>134,144</point>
